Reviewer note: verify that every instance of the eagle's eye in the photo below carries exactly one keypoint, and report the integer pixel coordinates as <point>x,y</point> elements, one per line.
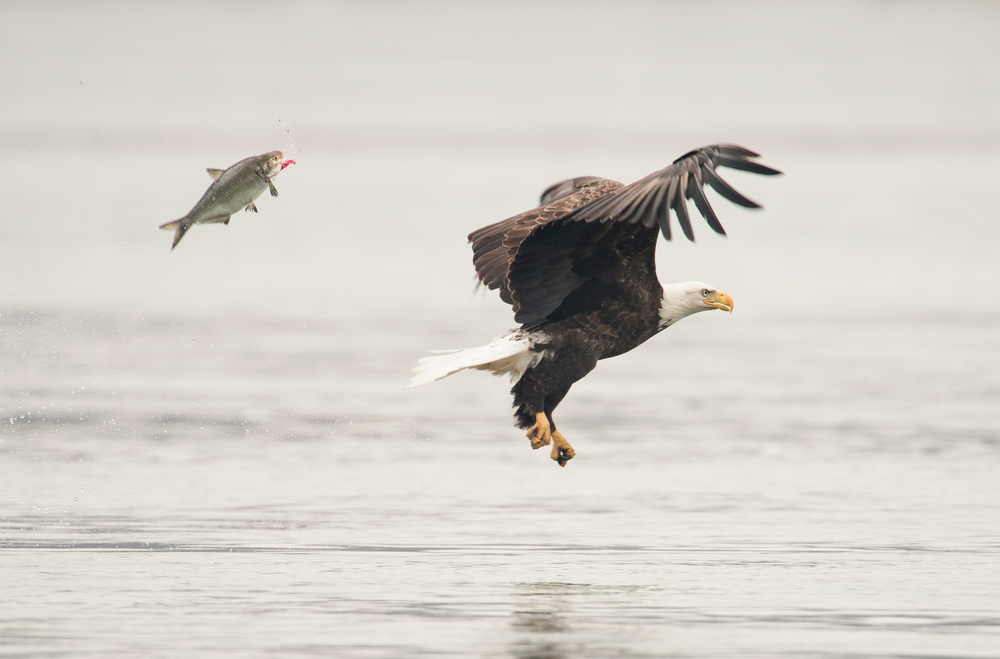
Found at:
<point>705,292</point>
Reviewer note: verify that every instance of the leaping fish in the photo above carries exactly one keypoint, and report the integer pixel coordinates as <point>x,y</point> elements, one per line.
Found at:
<point>231,190</point>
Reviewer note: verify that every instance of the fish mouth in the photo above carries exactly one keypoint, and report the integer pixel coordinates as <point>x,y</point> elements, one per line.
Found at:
<point>286,164</point>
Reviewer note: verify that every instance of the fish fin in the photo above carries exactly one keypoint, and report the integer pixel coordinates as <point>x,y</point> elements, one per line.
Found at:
<point>251,207</point>
<point>222,219</point>
<point>274,190</point>
<point>170,226</point>
<point>215,173</point>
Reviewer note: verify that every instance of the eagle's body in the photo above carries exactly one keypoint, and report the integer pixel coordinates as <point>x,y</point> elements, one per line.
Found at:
<point>580,274</point>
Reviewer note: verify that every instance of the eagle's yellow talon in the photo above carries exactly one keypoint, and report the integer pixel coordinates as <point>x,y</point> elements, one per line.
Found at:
<point>562,451</point>
<point>540,434</point>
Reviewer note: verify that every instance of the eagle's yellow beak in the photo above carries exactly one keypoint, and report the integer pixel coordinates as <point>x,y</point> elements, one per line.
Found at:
<point>720,300</point>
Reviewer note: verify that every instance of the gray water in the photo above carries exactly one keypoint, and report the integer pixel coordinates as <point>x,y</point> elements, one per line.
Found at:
<point>209,452</point>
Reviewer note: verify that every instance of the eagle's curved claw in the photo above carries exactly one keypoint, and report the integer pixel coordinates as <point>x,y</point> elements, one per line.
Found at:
<point>562,451</point>
<point>540,434</point>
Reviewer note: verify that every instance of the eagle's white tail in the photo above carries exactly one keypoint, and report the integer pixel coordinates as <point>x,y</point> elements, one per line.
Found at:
<point>511,354</point>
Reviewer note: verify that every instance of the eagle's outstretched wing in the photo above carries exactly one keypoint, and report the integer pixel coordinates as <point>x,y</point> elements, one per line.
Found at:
<point>589,231</point>
<point>650,199</point>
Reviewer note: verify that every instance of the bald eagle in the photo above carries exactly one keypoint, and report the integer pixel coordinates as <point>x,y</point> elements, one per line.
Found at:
<point>580,274</point>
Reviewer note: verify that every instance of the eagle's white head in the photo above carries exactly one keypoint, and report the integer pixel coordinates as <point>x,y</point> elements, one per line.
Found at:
<point>682,300</point>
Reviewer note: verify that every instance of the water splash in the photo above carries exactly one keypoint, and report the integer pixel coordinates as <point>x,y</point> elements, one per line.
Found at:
<point>291,148</point>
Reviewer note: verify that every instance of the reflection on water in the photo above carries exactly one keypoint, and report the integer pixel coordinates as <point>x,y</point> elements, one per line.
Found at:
<point>539,620</point>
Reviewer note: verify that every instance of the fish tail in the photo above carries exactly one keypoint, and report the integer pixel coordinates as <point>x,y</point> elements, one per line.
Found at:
<point>180,227</point>
<point>181,230</point>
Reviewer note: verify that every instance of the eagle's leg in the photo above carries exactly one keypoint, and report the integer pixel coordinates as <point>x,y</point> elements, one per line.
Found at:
<point>532,392</point>
<point>541,433</point>
<point>562,451</point>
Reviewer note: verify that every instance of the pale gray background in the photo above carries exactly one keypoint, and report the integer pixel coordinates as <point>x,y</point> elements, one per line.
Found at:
<point>209,452</point>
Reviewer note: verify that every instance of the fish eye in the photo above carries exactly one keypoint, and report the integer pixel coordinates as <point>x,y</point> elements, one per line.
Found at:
<point>705,292</point>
